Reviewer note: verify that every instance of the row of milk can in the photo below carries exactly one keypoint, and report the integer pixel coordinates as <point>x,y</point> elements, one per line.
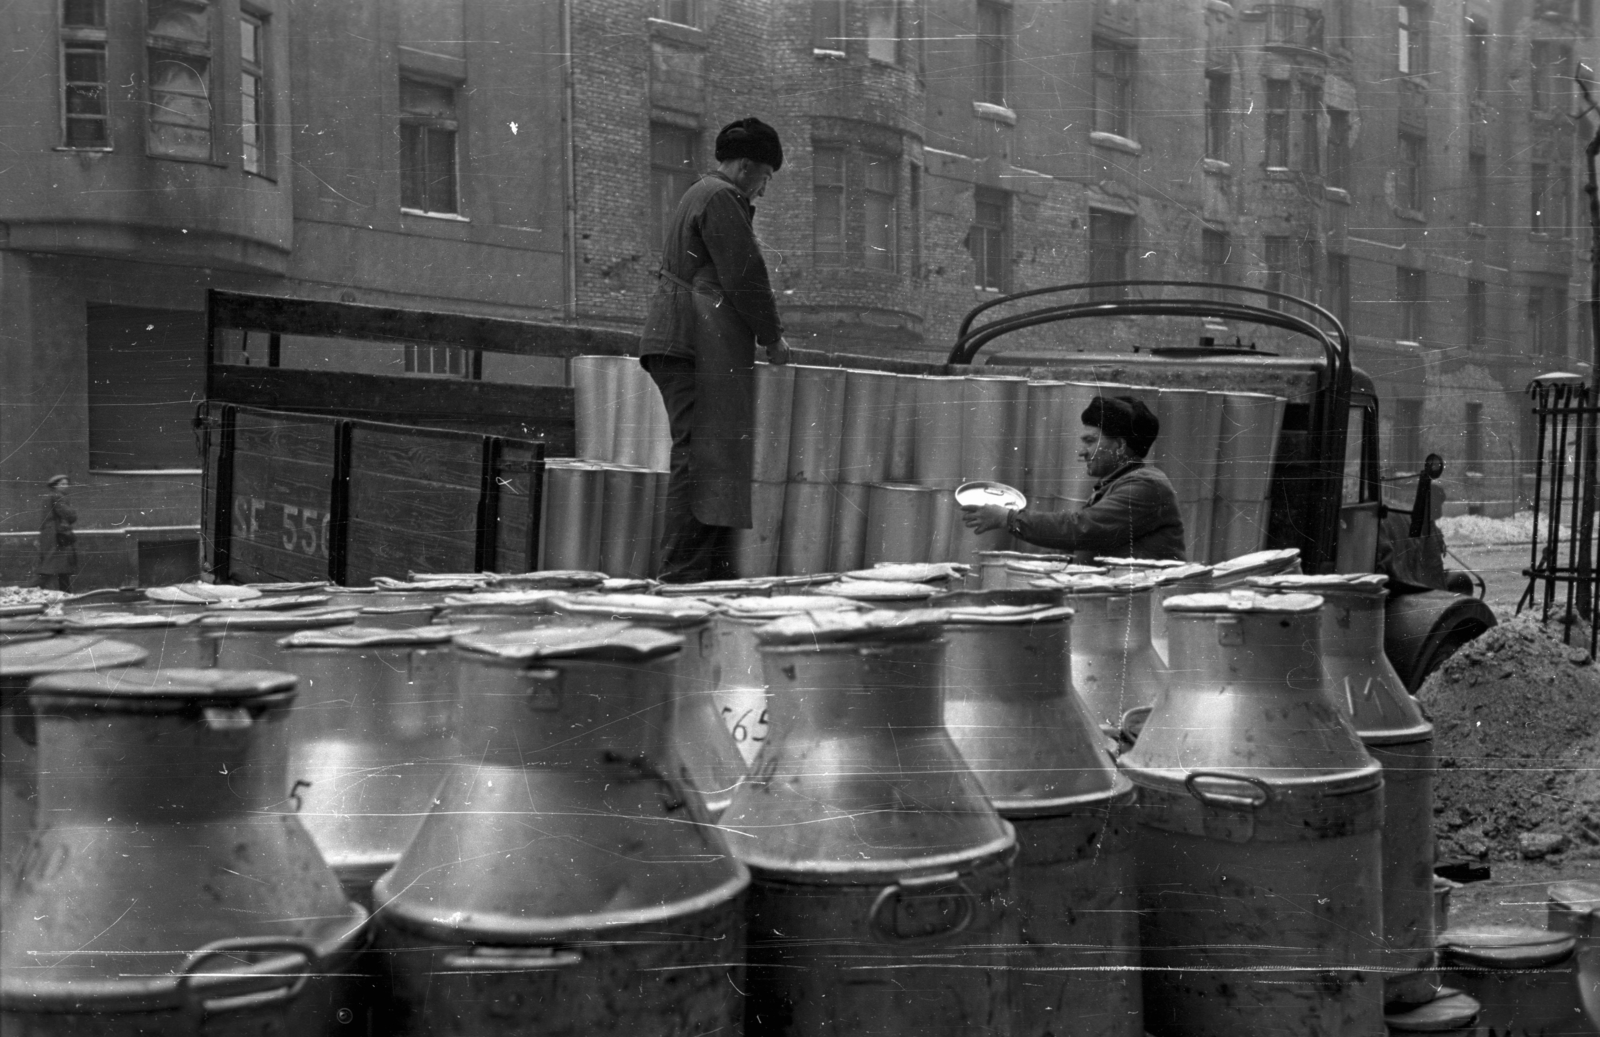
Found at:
<point>925,833</point>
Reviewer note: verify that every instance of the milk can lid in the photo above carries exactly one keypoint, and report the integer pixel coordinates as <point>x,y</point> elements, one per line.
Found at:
<point>1191,571</point>
<point>1037,556</point>
<point>21,609</point>
<point>13,626</point>
<point>305,619</point>
<point>910,572</point>
<point>1000,615</point>
<point>1140,563</point>
<point>752,585</point>
<point>177,683</point>
<point>1368,584</point>
<point>640,608</point>
<point>807,628</point>
<point>270,603</point>
<point>608,640</point>
<point>1505,946</point>
<point>782,605</point>
<point>1090,583</point>
<point>375,637</point>
<point>454,582</point>
<point>879,590</point>
<point>1051,566</point>
<point>547,580</point>
<point>1033,597</point>
<point>69,652</point>
<point>1276,560</point>
<point>285,587</point>
<point>626,585</point>
<point>200,593</point>
<point>1243,601</point>
<point>528,601</point>
<point>129,620</point>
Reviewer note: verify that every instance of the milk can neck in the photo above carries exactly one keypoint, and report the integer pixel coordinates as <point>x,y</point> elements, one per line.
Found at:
<point>1111,619</point>
<point>856,689</point>
<point>1352,622</point>
<point>1247,648</point>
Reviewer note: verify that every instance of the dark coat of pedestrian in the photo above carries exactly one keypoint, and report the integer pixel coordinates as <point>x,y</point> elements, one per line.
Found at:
<point>58,544</point>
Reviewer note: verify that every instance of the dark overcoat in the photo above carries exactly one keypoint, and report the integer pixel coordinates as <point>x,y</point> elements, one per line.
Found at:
<point>58,544</point>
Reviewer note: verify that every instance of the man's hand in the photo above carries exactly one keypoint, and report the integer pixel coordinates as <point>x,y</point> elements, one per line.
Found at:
<point>981,518</point>
<point>778,352</point>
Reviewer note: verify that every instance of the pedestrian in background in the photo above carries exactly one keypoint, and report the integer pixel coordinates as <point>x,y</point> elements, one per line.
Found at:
<point>58,544</point>
<point>713,305</point>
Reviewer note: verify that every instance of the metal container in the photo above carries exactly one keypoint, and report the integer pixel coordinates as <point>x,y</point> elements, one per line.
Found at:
<point>899,523</point>
<point>756,549</point>
<point>1186,451</point>
<point>740,697</point>
<point>499,610</point>
<point>20,663</point>
<point>881,594</point>
<point>1010,707</point>
<point>938,430</point>
<point>595,384</point>
<point>625,527</point>
<point>806,542</point>
<point>574,508</point>
<point>993,437</point>
<point>1247,451</point>
<point>250,641</point>
<point>370,738</point>
<point>1258,845</point>
<point>565,880</point>
<point>849,535</point>
<point>816,424</point>
<point>1169,583</point>
<point>1047,444</point>
<point>902,466</point>
<point>880,869</point>
<point>644,435</point>
<point>172,640</point>
<point>1525,980</point>
<point>1021,572</point>
<point>992,566</point>
<point>1114,667</point>
<point>1363,685</point>
<point>868,427</point>
<point>712,765</point>
<point>772,420</point>
<point>169,887</point>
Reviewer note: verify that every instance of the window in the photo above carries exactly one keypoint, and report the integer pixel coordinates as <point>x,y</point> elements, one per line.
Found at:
<point>1477,57</point>
<point>1412,56</point>
<point>882,212</point>
<point>1338,13</point>
<point>1278,124</point>
<point>252,93</point>
<point>1474,436</point>
<point>683,12</point>
<point>178,48</point>
<point>828,208</point>
<point>1219,114</point>
<point>1310,130</point>
<point>1478,185</point>
<point>1291,267</point>
<point>1113,88</point>
<point>883,31</point>
<point>1551,67</point>
<point>672,170</point>
<point>1277,259</point>
<point>1216,254</point>
<point>827,25</point>
<point>1547,321</point>
<point>989,240</point>
<point>1548,191</point>
<point>427,146</point>
<point>1338,149</point>
<point>83,75</point>
<point>1408,435</point>
<point>1336,288</point>
<point>1477,314</point>
<point>1110,243</point>
<point>914,223</point>
<point>1410,291</point>
<point>1408,182</point>
<point>994,46</point>
<point>146,372</point>
<point>434,360</point>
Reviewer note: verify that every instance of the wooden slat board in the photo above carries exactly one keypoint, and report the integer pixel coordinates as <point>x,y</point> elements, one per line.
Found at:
<point>511,538</point>
<point>413,503</point>
<point>282,488</point>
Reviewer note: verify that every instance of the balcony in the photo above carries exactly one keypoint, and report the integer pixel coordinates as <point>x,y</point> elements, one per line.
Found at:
<point>1293,28</point>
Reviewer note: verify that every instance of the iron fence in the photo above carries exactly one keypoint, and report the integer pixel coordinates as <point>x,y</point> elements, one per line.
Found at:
<point>1562,552</point>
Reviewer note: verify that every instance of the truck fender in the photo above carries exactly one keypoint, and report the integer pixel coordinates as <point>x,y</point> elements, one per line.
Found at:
<point>1422,630</point>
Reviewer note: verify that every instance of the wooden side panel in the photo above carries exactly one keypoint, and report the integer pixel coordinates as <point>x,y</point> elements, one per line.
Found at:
<point>413,503</point>
<point>282,489</point>
<point>516,497</point>
<point>212,433</point>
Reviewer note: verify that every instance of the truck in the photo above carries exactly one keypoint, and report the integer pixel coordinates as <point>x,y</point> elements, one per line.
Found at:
<point>318,465</point>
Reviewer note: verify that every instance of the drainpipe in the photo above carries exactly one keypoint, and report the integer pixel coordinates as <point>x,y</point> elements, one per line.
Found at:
<point>570,159</point>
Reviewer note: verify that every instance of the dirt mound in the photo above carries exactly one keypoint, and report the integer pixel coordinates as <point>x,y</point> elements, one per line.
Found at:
<point>1516,718</point>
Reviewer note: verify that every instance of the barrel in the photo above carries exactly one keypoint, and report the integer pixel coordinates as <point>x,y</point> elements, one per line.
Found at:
<point>879,868</point>
<point>565,881</point>
<point>574,503</point>
<point>1258,842</point>
<point>626,521</point>
<point>938,430</point>
<point>1525,980</point>
<point>596,382</point>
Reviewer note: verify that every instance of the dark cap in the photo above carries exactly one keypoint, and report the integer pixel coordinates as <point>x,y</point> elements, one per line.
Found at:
<point>752,139</point>
<point>1126,418</point>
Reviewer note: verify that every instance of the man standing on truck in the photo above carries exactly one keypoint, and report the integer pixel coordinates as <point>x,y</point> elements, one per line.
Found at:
<point>713,304</point>
<point>1133,511</point>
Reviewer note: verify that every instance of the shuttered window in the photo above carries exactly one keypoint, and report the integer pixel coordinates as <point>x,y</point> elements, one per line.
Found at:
<point>146,373</point>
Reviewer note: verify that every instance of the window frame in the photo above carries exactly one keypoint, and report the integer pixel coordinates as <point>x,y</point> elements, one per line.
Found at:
<point>1477,54</point>
<point>1478,181</point>
<point>990,241</point>
<point>837,189</point>
<point>665,10</point>
<point>1219,115</point>
<point>1410,171</point>
<point>1119,82</point>
<point>992,58</point>
<point>454,361</point>
<point>1310,130</point>
<point>83,38</point>
<point>895,38</point>
<point>1275,136</point>
<point>1548,91</point>
<point>829,26</point>
<point>1117,247</point>
<point>1477,310</point>
<point>869,192</point>
<point>429,125</point>
<point>1337,171</point>
<point>1336,290</point>
<point>173,47</point>
<point>1216,258</point>
<point>1411,56</point>
<point>1411,296</point>
<point>257,70</point>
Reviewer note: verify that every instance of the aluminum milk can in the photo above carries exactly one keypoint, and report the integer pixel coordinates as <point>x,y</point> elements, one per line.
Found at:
<point>1258,840</point>
<point>249,640</point>
<point>1367,691</point>
<point>1010,707</point>
<point>1185,579</point>
<point>168,886</point>
<point>880,869</point>
<point>565,880</point>
<point>1114,668</point>
<point>370,738</point>
<point>1020,573</point>
<point>711,762</point>
<point>1526,980</point>
<point>21,662</point>
<point>992,565</point>
<point>172,639</point>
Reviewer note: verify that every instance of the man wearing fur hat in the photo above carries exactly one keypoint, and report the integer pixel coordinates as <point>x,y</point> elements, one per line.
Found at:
<point>1133,511</point>
<point>712,306</point>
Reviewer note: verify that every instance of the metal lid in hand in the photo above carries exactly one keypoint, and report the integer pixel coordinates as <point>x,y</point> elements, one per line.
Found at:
<point>981,492</point>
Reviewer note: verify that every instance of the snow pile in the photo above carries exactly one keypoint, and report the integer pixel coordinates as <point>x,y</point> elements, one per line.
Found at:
<point>1479,531</point>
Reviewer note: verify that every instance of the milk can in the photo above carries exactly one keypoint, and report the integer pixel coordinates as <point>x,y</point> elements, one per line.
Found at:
<point>1258,840</point>
<point>992,565</point>
<point>168,886</point>
<point>1010,707</point>
<point>711,762</point>
<point>565,881</point>
<point>1169,583</point>
<point>880,869</point>
<point>1020,573</point>
<point>21,662</point>
<point>370,738</point>
<point>1113,666</point>
<point>500,610</point>
<point>1525,980</point>
<point>171,639</point>
<point>1367,691</point>
<point>249,640</point>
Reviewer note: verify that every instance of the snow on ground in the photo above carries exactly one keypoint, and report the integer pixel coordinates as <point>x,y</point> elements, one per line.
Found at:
<point>1479,531</point>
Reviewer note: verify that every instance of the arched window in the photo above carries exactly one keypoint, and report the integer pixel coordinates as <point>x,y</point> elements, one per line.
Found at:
<point>179,48</point>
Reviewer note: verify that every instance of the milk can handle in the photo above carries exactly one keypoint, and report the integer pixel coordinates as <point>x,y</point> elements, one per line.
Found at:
<point>1217,799</point>
<point>1127,729</point>
<point>237,991</point>
<point>519,959</point>
<point>891,892</point>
